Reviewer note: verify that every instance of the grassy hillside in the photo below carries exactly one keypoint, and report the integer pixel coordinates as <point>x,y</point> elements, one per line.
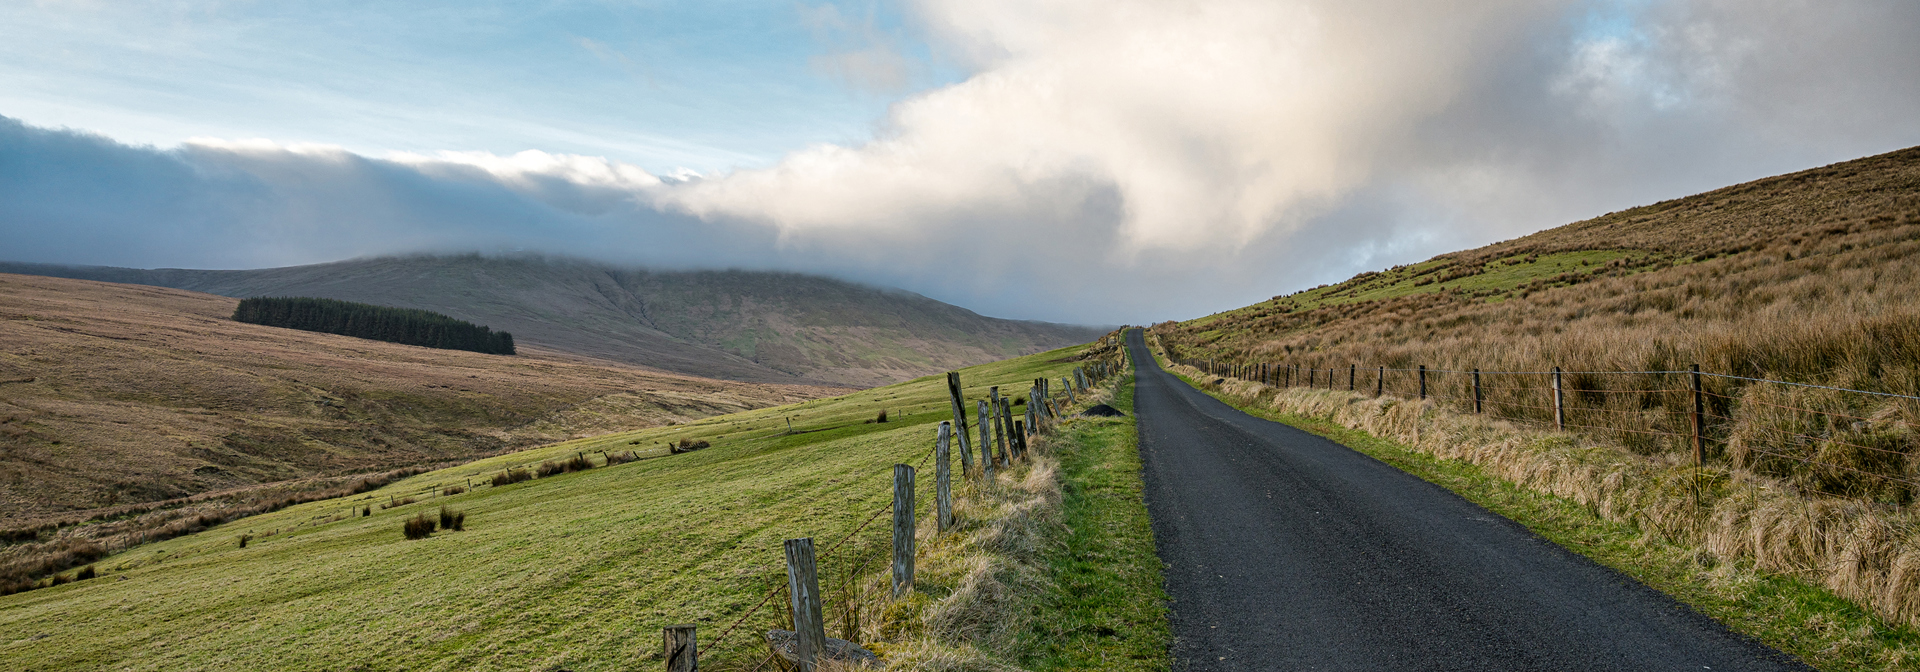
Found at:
<point>114,395</point>
<point>1812,277</point>
<point>739,325</point>
<point>574,571</point>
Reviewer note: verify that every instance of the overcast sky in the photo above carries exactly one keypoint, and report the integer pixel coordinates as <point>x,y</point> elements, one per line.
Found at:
<point>1094,161</point>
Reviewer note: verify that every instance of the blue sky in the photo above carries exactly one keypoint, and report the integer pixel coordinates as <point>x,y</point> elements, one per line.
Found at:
<point>1097,161</point>
<point>664,85</point>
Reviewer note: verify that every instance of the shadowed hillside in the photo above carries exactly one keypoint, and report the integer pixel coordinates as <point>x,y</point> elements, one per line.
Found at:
<point>739,325</point>
<point>112,395</point>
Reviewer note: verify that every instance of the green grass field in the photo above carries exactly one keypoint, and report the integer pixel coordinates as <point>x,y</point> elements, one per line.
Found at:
<point>575,571</point>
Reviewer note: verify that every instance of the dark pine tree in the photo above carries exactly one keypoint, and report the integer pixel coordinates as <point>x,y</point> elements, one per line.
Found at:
<point>407,326</point>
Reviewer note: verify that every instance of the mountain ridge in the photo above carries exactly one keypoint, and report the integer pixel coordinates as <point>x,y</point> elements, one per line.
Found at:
<point>756,326</point>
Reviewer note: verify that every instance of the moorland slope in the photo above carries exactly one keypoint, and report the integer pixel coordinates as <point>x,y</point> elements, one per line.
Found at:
<point>737,325</point>
<point>113,395</point>
<point>571,571</point>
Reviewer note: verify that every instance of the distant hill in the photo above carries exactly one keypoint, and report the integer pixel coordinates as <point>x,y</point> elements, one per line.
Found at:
<point>114,394</point>
<point>737,325</point>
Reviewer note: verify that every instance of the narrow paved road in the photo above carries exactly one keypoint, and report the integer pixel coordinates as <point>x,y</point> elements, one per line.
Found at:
<point>1286,551</point>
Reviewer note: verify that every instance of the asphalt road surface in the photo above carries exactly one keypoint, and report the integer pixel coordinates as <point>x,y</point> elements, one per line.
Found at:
<point>1286,551</point>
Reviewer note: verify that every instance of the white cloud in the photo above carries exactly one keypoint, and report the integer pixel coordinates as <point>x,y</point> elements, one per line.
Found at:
<point>1125,160</point>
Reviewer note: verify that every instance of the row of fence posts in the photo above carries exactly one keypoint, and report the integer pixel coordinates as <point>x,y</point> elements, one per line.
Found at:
<point>1273,374</point>
<point>1043,409</point>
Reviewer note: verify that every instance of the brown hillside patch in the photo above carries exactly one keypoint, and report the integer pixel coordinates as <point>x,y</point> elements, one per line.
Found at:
<point>118,394</point>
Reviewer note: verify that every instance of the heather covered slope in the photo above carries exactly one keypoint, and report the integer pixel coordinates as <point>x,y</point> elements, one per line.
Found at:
<point>739,325</point>
<point>112,395</point>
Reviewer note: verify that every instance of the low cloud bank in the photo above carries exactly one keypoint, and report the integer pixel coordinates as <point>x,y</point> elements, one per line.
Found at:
<point>1107,162</point>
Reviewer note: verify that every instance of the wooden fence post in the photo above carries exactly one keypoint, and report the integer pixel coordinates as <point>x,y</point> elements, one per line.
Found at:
<point>1380,385</point>
<point>1014,446</point>
<point>803,584</point>
<point>1069,385</point>
<point>1018,431</point>
<point>943,477</point>
<point>682,649</point>
<point>1559,408</point>
<point>1699,420</point>
<point>960,421</point>
<point>986,441</point>
<point>1001,450</point>
<point>902,529</point>
<point>1423,382</point>
<point>1476,391</point>
<point>986,429</point>
<point>1289,376</point>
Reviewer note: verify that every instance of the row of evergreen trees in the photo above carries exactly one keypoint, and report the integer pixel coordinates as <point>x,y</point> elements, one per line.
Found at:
<point>381,323</point>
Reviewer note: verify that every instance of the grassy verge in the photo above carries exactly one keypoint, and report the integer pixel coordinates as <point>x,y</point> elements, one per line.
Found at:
<point>1106,609</point>
<point>1795,616</point>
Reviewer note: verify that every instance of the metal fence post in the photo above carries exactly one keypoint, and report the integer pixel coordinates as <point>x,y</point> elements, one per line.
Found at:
<point>1559,408</point>
<point>803,584</point>
<point>1699,420</point>
<point>902,529</point>
<point>1476,391</point>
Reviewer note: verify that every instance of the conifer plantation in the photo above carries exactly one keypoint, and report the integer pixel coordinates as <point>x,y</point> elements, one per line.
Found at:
<point>406,326</point>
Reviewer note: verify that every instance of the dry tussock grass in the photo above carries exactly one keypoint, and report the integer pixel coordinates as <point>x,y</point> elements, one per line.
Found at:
<point>1867,553</point>
<point>1812,277</point>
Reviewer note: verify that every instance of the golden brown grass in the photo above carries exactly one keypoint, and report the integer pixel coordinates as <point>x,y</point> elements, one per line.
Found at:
<point>1812,277</point>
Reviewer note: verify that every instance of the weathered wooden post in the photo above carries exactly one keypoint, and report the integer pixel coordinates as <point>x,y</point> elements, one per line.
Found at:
<point>803,585</point>
<point>1380,385</point>
<point>1423,382</point>
<point>985,414</point>
<point>1080,376</point>
<point>1476,391</point>
<point>1559,408</point>
<point>1031,427</point>
<point>960,421</point>
<point>986,440</point>
<point>1013,437</point>
<point>1699,420</point>
<point>1000,448</point>
<point>1017,427</point>
<point>1351,370</point>
<point>902,529</point>
<point>943,477</point>
<point>1289,376</point>
<point>1069,385</point>
<point>681,649</point>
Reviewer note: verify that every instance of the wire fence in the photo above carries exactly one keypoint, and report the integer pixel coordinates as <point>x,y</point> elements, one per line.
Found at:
<point>1821,439</point>
<point>850,557</point>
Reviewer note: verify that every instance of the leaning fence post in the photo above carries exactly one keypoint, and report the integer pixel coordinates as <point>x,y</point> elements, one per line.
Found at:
<point>943,477</point>
<point>960,421</point>
<point>1476,391</point>
<point>1699,420</point>
<point>1013,433</point>
<point>1423,381</point>
<point>1559,408</point>
<point>803,584</point>
<point>902,529</point>
<point>682,648</point>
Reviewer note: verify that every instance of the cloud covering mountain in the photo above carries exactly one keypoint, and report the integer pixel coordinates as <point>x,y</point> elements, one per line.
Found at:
<point>1104,162</point>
